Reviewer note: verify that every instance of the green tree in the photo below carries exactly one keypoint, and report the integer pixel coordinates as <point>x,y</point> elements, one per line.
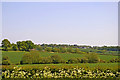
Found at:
<point>56,59</point>
<point>73,60</point>
<point>63,50</point>
<point>19,43</point>
<point>5,44</point>
<point>32,57</point>
<point>55,50</point>
<point>29,45</point>
<point>14,47</point>
<point>92,57</point>
<point>48,49</point>
<point>25,45</point>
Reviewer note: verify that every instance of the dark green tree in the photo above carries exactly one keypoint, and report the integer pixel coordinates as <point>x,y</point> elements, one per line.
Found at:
<point>5,44</point>
<point>14,47</point>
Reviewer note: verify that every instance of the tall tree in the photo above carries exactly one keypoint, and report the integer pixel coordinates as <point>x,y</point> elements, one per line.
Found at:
<point>5,44</point>
<point>14,47</point>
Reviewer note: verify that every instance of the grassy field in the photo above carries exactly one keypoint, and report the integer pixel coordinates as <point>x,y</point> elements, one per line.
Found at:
<point>15,56</point>
<point>88,66</point>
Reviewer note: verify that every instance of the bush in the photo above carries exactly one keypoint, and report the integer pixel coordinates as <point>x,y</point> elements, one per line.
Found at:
<point>30,58</point>
<point>5,60</point>
<point>48,49</point>
<point>73,60</point>
<point>46,60</point>
<point>56,59</point>
<point>115,60</point>
<point>84,60</point>
<point>92,57</point>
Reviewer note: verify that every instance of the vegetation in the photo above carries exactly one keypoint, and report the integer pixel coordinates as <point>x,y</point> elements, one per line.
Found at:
<point>5,60</point>
<point>28,45</point>
<point>31,61</point>
<point>16,56</point>
<point>46,72</point>
<point>5,44</point>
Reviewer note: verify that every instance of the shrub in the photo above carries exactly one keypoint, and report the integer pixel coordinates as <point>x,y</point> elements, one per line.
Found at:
<point>92,57</point>
<point>26,59</point>
<point>48,49</point>
<point>115,60</point>
<point>56,59</point>
<point>79,60</point>
<point>73,60</point>
<point>31,58</point>
<point>46,60</point>
<point>5,60</point>
<point>84,60</point>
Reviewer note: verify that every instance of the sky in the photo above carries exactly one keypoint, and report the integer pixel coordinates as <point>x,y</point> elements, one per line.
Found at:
<point>82,23</point>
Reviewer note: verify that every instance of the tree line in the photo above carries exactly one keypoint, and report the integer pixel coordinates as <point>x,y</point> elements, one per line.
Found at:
<point>63,48</point>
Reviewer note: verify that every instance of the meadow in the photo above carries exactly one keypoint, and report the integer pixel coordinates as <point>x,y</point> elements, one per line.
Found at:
<point>15,56</point>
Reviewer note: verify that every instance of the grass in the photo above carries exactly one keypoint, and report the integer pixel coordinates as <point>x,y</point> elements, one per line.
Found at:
<point>15,56</point>
<point>88,66</point>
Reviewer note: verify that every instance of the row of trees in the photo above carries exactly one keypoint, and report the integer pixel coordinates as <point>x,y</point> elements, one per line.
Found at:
<point>27,45</point>
<point>34,58</point>
<point>59,49</point>
<point>20,45</point>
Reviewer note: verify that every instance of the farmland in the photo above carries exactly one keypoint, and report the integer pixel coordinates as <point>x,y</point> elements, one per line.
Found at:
<point>15,56</point>
<point>27,60</point>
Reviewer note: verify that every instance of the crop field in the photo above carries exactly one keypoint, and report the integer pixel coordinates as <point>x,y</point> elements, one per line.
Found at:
<point>15,56</point>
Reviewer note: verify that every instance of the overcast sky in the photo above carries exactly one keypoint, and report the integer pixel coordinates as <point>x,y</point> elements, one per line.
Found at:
<point>80,23</point>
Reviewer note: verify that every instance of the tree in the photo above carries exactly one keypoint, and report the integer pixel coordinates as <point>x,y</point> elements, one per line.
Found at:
<point>14,47</point>
<point>63,50</point>
<point>92,57</point>
<point>5,44</point>
<point>32,57</point>
<point>25,45</point>
<point>55,50</point>
<point>73,60</point>
<point>29,45</point>
<point>56,59</point>
<point>19,45</point>
<point>48,49</point>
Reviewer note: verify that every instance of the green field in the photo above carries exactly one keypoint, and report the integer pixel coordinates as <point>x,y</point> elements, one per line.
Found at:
<point>88,66</point>
<point>15,56</point>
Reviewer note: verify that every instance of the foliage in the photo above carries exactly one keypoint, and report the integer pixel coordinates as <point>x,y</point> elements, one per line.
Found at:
<point>73,60</point>
<point>48,49</point>
<point>5,61</point>
<point>16,56</point>
<point>46,60</point>
<point>47,72</point>
<point>92,57</point>
<point>5,44</point>
<point>56,59</point>
<point>115,60</point>
<point>14,47</point>
<point>25,45</point>
<point>31,58</point>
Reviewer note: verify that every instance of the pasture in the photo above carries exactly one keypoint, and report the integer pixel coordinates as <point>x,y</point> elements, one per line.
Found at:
<point>15,56</point>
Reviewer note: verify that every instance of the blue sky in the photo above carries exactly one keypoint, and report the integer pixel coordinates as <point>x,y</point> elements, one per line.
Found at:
<point>83,23</point>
